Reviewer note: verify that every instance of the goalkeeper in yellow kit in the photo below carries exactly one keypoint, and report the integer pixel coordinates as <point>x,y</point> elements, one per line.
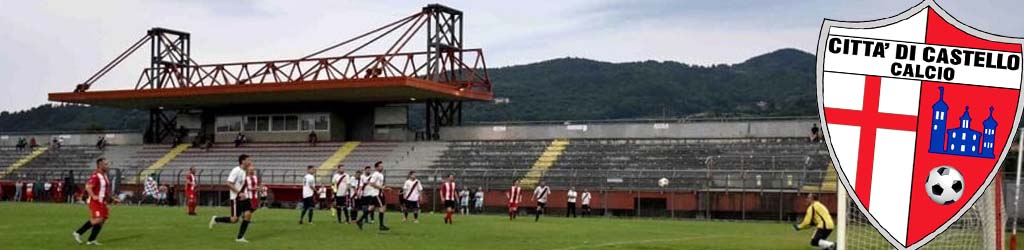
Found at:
<point>818,216</point>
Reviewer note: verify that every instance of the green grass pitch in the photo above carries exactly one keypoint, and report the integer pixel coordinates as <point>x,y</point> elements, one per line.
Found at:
<point>49,226</point>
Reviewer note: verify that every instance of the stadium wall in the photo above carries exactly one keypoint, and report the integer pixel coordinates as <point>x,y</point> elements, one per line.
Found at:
<point>73,138</point>
<point>638,130</point>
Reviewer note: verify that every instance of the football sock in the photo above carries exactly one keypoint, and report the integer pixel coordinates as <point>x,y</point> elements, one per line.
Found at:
<point>95,232</point>
<point>824,244</point>
<point>365,214</point>
<point>303,214</point>
<point>242,228</point>
<point>84,228</point>
<point>310,215</point>
<point>416,215</point>
<point>380,218</point>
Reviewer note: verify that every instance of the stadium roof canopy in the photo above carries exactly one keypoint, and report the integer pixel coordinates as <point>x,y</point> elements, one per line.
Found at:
<point>389,89</point>
<point>442,71</point>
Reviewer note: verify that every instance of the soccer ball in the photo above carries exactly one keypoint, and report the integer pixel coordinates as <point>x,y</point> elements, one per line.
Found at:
<point>945,185</point>
<point>663,182</point>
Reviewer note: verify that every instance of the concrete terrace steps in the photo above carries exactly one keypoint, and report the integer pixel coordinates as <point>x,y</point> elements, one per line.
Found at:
<point>21,162</point>
<point>222,157</point>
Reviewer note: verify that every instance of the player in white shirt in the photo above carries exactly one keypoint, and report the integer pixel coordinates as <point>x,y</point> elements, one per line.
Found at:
<point>585,198</point>
<point>340,184</point>
<point>355,192</point>
<point>372,197</point>
<point>308,190</point>
<point>479,197</point>
<point>411,191</point>
<point>570,203</point>
<point>240,204</point>
<point>540,195</point>
<point>464,201</point>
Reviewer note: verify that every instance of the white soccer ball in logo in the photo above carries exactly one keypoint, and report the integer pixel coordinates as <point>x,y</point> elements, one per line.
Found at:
<point>663,182</point>
<point>945,185</point>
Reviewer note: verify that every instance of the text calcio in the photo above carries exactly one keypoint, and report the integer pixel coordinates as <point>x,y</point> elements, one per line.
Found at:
<point>929,54</point>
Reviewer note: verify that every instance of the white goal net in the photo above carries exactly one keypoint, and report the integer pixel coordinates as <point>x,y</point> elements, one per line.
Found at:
<point>976,229</point>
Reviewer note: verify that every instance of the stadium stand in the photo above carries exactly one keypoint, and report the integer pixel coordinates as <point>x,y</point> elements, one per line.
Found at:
<point>218,160</point>
<point>8,156</point>
<point>51,163</point>
<point>727,163</point>
<point>369,153</point>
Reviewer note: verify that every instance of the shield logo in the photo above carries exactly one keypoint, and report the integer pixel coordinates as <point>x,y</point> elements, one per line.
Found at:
<point>918,111</point>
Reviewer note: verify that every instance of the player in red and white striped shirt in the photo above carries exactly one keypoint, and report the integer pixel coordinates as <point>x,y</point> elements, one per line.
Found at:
<point>514,195</point>
<point>190,190</point>
<point>449,195</point>
<point>98,188</point>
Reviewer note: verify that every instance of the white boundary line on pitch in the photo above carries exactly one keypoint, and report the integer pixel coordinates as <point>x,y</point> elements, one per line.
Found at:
<point>618,243</point>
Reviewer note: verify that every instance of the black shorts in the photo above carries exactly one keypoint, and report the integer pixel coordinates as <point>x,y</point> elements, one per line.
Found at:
<point>542,204</point>
<point>239,207</point>
<point>340,201</point>
<point>372,201</point>
<point>307,202</point>
<point>585,207</point>
<point>820,234</point>
<point>412,204</point>
<point>450,204</point>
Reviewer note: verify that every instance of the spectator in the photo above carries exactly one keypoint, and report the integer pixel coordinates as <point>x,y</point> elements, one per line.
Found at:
<point>69,187</point>
<point>21,143</point>
<point>209,142</point>
<point>151,189</point>
<point>240,139</point>
<point>161,196</point>
<point>322,197</point>
<point>17,190</point>
<point>58,192</point>
<point>479,197</point>
<point>815,133</point>
<point>29,192</point>
<point>47,186</point>
<point>32,143</point>
<point>171,196</point>
<point>197,141</point>
<point>101,143</point>
<point>264,193</point>
<point>179,136</point>
<point>123,196</point>
<point>312,138</point>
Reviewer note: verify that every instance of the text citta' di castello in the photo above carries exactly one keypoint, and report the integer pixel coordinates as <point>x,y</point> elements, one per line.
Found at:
<point>962,140</point>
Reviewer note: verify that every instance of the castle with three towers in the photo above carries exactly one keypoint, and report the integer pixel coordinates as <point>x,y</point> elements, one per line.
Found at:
<point>963,140</point>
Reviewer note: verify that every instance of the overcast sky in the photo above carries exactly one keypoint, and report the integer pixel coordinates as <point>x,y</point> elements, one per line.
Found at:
<point>49,46</point>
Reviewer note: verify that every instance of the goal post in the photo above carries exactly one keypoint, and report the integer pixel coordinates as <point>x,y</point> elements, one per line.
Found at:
<point>981,227</point>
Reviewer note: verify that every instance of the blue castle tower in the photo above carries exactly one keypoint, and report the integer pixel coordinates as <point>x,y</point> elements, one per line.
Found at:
<point>961,140</point>
<point>939,110</point>
<point>989,135</point>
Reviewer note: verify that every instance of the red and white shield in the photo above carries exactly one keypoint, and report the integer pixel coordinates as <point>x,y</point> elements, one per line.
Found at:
<point>902,97</point>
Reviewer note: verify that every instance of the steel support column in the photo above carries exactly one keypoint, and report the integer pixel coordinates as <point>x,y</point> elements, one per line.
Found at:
<point>161,126</point>
<point>441,114</point>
